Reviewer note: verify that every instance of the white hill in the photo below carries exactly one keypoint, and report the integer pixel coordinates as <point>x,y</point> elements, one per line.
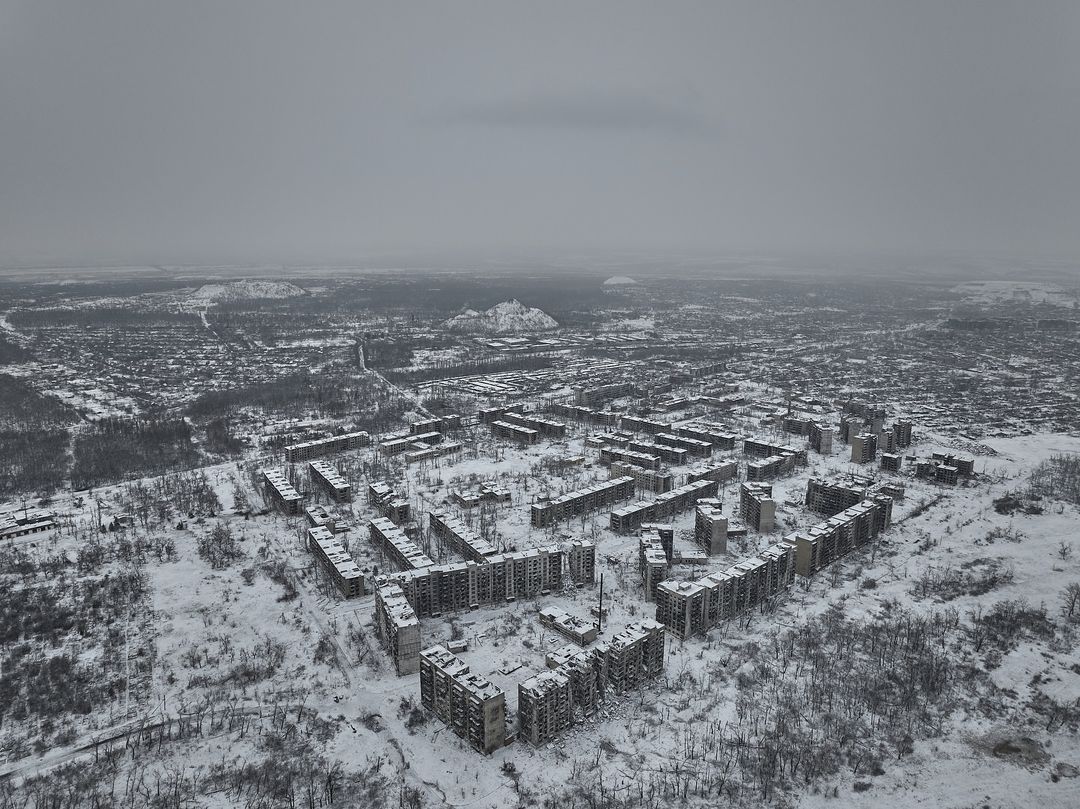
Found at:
<point>508,317</point>
<point>244,290</point>
<point>619,280</point>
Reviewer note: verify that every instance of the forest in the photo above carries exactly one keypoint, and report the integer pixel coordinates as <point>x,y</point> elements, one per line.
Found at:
<point>115,449</point>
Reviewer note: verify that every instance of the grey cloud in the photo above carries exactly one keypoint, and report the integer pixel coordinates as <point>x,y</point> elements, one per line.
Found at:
<point>585,111</point>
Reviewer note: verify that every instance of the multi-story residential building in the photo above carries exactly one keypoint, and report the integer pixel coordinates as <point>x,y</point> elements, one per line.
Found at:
<point>548,428</point>
<point>689,608</point>
<point>398,627</point>
<point>331,480</point>
<point>891,462</point>
<point>390,505</point>
<point>473,707</point>
<point>902,431</point>
<point>610,455</point>
<point>716,436</point>
<point>830,497</point>
<point>397,444</point>
<point>336,562</point>
<point>459,537</point>
<point>719,472</point>
<point>643,425</point>
<point>710,526</point>
<point>652,563</point>
<point>757,507</point>
<point>820,545</point>
<point>770,467</point>
<point>281,492</point>
<point>393,542</point>
<point>693,446</point>
<point>579,631</point>
<point>645,479</point>
<point>523,435</point>
<point>583,501</point>
<point>821,438</point>
<point>306,450</point>
<point>863,448</point>
<point>629,518</point>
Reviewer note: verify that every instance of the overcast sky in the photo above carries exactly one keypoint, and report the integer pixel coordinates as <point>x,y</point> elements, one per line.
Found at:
<point>257,130</point>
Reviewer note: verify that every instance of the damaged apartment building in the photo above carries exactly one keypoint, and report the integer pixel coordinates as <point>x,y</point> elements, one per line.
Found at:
<point>470,705</point>
<point>578,680</point>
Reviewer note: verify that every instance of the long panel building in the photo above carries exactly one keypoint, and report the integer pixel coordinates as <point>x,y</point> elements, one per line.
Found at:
<point>282,493</point>
<point>306,450</point>
<point>393,542</point>
<point>459,537</point>
<point>629,518</point>
<point>689,608</point>
<point>582,501</point>
<point>820,545</point>
<point>336,562</point>
<point>331,480</point>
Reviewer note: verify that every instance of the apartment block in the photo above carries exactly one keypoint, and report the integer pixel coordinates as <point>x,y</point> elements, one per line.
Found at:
<point>863,448</point>
<point>583,501</point>
<point>755,448</point>
<point>824,543</point>
<point>717,437</point>
<point>393,542</point>
<point>710,526</point>
<point>545,706</point>
<point>512,432</point>
<point>833,496</point>
<point>675,456</point>
<point>459,537</point>
<point>771,467</point>
<point>295,453</point>
<point>600,418</point>
<point>336,562</point>
<point>397,444</point>
<point>688,608</point>
<point>902,431</point>
<point>427,452</point>
<point>719,472</point>
<point>964,465</point>
<point>610,455</point>
<point>318,516</point>
<point>645,479</point>
<point>581,561</point>
<point>600,393</point>
<point>652,563</point>
<point>757,507</point>
<point>458,586</point>
<point>891,462</point>
<point>821,438</point>
<point>643,425</point>
<point>549,428</point>
<point>570,626</point>
<point>629,518</point>
<point>281,492</point>
<point>324,474</point>
<point>696,448</point>
<point>665,533</point>
<point>398,628</point>
<point>385,499</point>
<point>634,655</point>
<point>471,706</point>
